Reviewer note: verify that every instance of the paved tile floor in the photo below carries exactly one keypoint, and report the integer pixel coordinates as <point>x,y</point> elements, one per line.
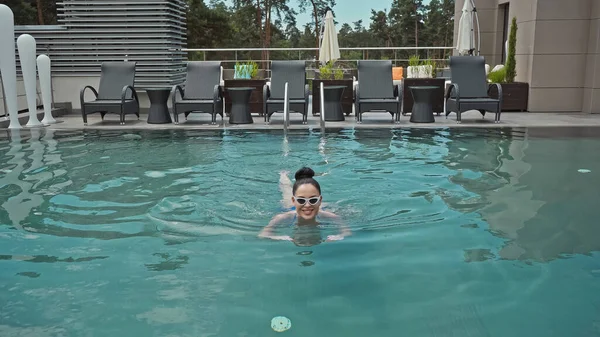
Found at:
<point>370,120</point>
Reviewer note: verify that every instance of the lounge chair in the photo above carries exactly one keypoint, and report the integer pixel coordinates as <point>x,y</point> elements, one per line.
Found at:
<point>115,93</point>
<point>375,89</point>
<point>294,73</point>
<point>201,92</point>
<point>469,89</point>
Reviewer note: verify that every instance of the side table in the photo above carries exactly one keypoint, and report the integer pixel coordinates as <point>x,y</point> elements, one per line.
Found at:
<point>332,101</point>
<point>159,110</point>
<point>240,105</point>
<point>422,111</point>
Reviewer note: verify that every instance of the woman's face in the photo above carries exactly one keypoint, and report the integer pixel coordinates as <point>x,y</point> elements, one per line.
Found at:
<point>307,201</point>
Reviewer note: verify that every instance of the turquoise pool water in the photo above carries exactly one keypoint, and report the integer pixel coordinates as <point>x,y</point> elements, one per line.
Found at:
<point>455,233</point>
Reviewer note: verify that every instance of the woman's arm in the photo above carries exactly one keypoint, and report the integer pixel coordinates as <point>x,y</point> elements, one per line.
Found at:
<point>267,231</point>
<point>285,186</point>
<point>343,227</point>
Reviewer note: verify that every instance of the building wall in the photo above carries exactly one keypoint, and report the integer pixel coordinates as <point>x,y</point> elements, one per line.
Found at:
<point>558,49</point>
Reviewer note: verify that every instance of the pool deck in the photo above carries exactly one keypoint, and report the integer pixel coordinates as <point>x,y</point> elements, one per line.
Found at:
<point>471,119</point>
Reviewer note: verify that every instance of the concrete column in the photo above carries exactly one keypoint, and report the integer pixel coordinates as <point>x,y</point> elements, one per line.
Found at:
<point>591,90</point>
<point>558,49</point>
<point>559,56</point>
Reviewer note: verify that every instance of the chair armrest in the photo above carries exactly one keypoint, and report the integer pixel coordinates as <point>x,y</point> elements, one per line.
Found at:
<point>453,88</point>
<point>356,93</point>
<point>176,88</point>
<point>217,92</point>
<point>124,93</point>
<point>306,92</point>
<point>499,86</point>
<point>82,92</point>
<point>398,91</point>
<point>266,93</point>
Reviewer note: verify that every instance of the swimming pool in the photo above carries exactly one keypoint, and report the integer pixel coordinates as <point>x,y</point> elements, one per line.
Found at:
<point>456,232</point>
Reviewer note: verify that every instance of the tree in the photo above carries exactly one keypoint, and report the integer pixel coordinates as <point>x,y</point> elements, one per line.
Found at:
<point>434,30</point>
<point>447,23</point>
<point>265,9</point>
<point>207,27</point>
<point>319,8</point>
<point>24,13</point>
<point>406,17</point>
<point>380,31</point>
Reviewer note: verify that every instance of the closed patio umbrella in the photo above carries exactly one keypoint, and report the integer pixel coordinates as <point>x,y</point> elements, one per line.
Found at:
<point>466,30</point>
<point>329,49</point>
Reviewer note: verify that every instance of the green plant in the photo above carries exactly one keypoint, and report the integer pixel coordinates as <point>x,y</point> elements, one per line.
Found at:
<point>249,69</point>
<point>338,74</point>
<point>414,61</point>
<point>511,71</point>
<point>326,71</point>
<point>431,66</point>
<point>497,76</point>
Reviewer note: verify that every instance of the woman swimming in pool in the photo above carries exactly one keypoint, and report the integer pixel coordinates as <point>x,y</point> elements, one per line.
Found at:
<point>305,201</point>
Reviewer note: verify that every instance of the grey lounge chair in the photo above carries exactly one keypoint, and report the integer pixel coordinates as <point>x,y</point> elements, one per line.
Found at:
<point>201,92</point>
<point>469,89</point>
<point>294,73</point>
<point>115,93</point>
<point>376,90</point>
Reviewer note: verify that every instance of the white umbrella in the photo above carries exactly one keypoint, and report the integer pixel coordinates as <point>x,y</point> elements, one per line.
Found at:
<point>329,50</point>
<point>466,34</point>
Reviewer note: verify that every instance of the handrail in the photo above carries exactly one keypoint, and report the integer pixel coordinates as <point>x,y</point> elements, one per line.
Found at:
<point>313,48</point>
<point>394,54</point>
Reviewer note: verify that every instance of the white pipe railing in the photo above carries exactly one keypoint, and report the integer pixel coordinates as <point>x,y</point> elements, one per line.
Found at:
<point>322,103</point>
<point>365,51</point>
<point>286,108</point>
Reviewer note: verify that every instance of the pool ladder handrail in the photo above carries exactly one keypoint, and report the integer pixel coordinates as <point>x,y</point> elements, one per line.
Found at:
<point>286,108</point>
<point>322,103</point>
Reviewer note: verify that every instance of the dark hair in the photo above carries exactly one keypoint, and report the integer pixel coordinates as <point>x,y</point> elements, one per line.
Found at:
<point>305,176</point>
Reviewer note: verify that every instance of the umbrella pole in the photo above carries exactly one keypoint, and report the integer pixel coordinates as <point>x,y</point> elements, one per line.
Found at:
<point>478,28</point>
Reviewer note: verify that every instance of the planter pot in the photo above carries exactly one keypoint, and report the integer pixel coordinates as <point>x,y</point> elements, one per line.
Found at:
<point>438,97</point>
<point>256,98</point>
<point>243,72</point>
<point>419,72</point>
<point>347,97</point>
<point>515,96</point>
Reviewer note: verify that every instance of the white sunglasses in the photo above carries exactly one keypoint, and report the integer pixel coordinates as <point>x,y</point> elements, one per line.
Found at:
<point>312,201</point>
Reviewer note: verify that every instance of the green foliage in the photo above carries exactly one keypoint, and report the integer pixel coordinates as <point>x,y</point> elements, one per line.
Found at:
<point>511,63</point>
<point>433,65</point>
<point>326,71</point>
<point>338,74</point>
<point>407,22</point>
<point>414,61</point>
<point>497,76</point>
<point>26,12</point>
<point>272,23</point>
<point>249,69</point>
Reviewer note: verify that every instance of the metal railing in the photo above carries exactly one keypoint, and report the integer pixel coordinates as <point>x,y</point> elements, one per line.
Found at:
<point>398,55</point>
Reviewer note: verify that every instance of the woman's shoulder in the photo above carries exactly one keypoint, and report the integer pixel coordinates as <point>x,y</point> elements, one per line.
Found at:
<point>284,216</point>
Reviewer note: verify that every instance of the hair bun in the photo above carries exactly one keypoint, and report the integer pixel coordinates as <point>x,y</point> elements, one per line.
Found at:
<point>304,173</point>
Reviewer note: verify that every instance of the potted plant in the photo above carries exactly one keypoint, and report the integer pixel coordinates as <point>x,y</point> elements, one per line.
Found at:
<point>422,73</point>
<point>515,95</point>
<point>247,74</point>
<point>329,75</point>
<point>419,69</point>
<point>245,70</point>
